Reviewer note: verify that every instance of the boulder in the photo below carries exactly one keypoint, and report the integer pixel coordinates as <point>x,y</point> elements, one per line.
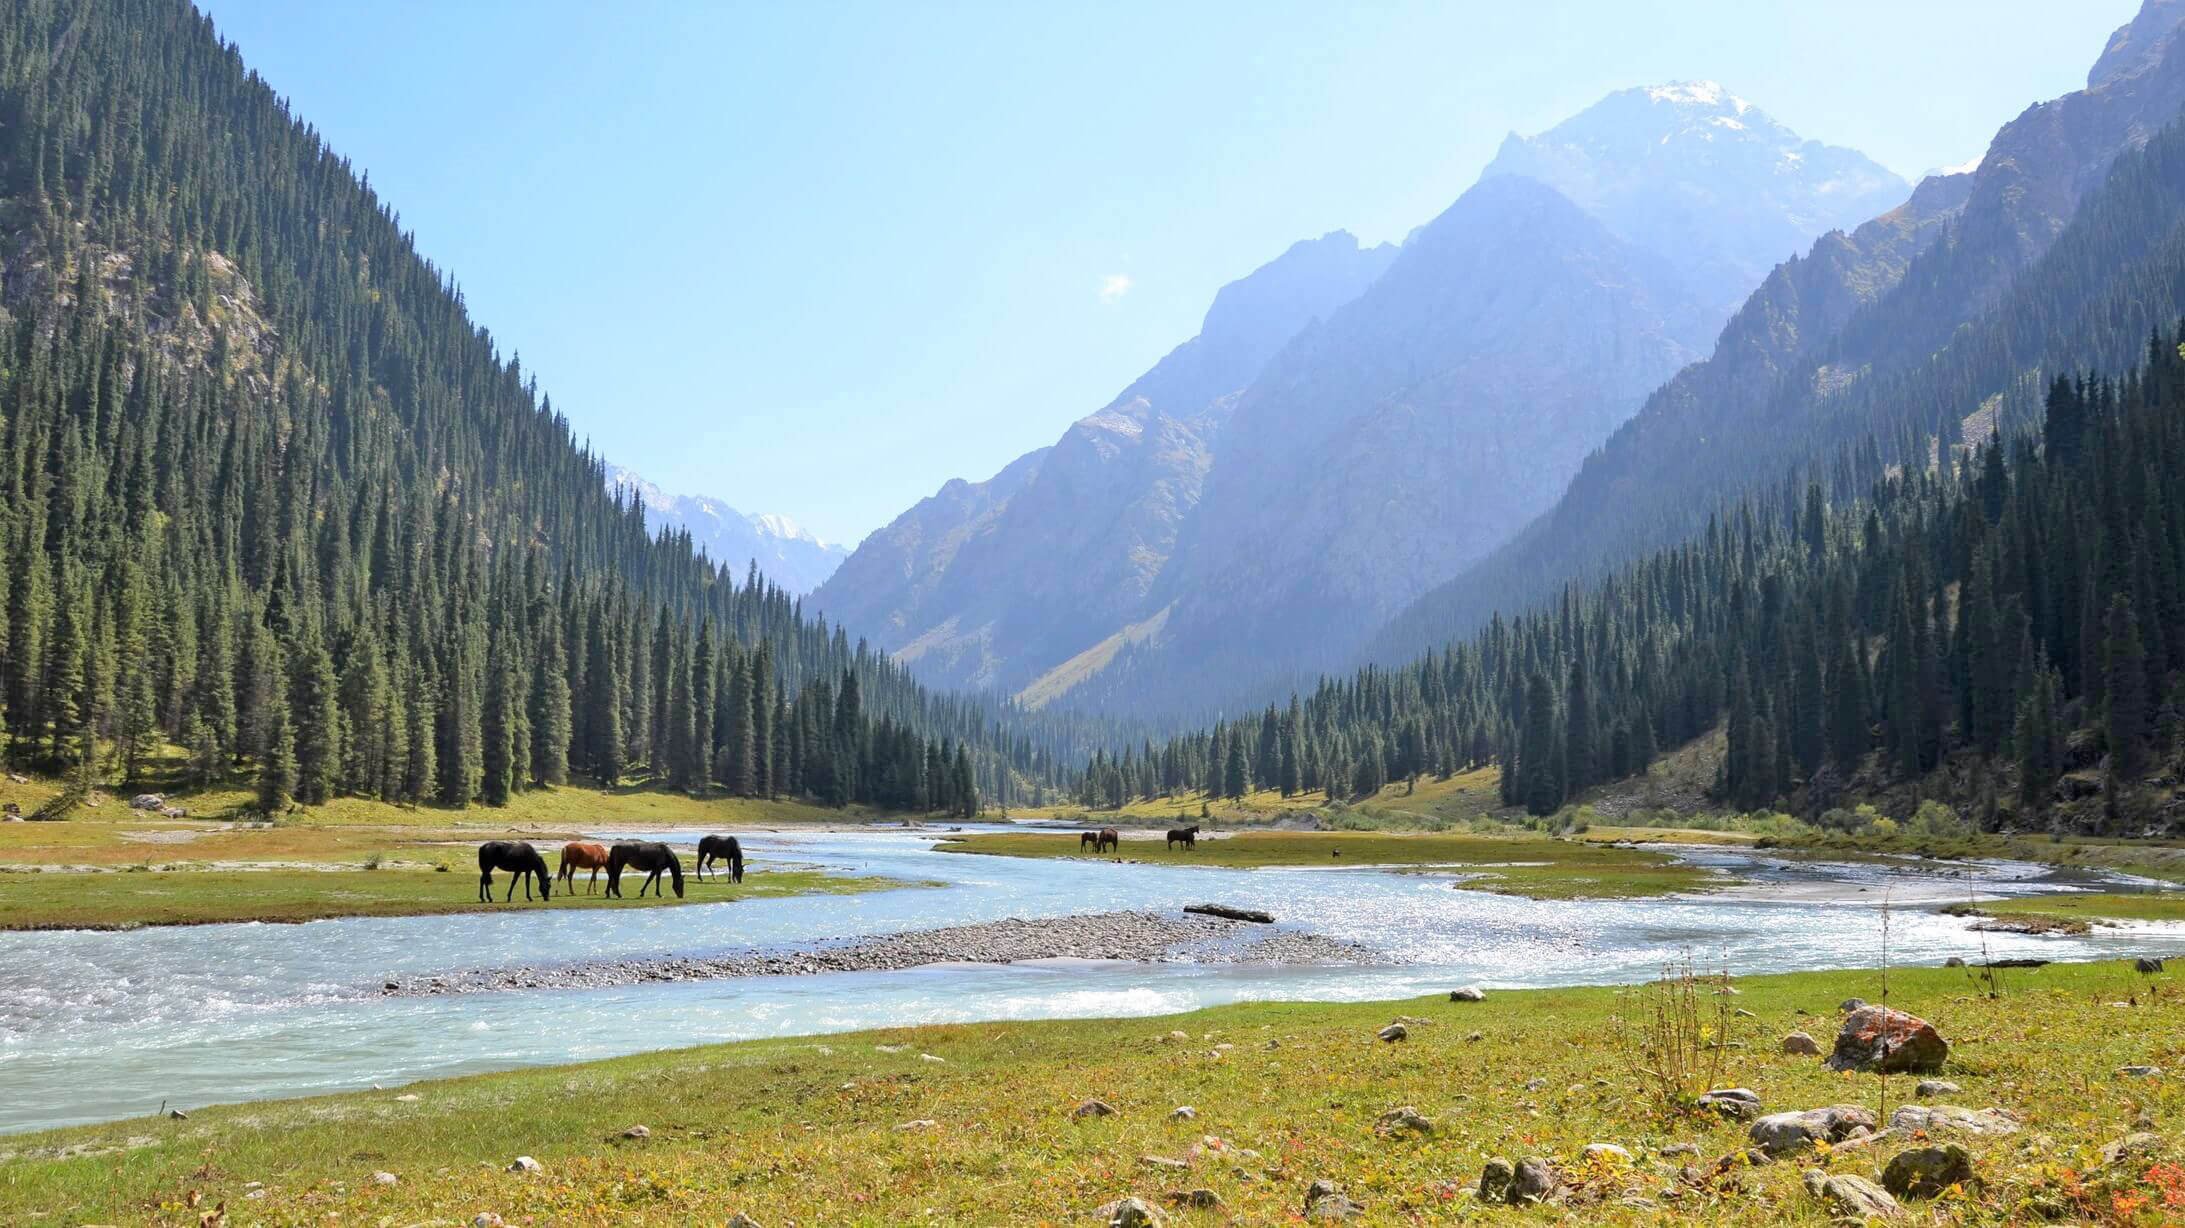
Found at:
<point>147,801</point>
<point>1093,1108</point>
<point>1394,1032</point>
<point>1325,1200</point>
<point>1802,1044</point>
<point>1468,993</point>
<point>2132,1147</point>
<point>1955,961</point>
<point>1929,1088</point>
<point>1403,1120</point>
<point>1878,1038</point>
<point>2147,963</point>
<point>1924,1172</point>
<point>1735,1103</point>
<point>1496,1181</point>
<point>1537,1181</point>
<point>1130,1213</point>
<point>1950,1119</point>
<point>1849,1005</point>
<point>1782,1134</point>
<point>1852,1197</point>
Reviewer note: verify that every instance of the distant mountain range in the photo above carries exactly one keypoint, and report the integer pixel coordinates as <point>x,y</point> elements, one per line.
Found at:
<point>791,556</point>
<point>1354,425</point>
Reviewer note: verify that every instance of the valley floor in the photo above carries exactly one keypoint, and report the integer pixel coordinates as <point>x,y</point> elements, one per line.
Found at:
<point>110,866</point>
<point>980,1123</point>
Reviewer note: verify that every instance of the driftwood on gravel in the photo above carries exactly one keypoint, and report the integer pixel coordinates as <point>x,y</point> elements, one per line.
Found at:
<point>1233,914</point>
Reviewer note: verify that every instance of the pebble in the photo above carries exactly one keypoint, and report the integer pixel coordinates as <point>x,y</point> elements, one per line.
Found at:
<point>384,1178</point>
<point>2140,1072</point>
<point>922,1123</point>
<point>1935,1087</point>
<point>1094,1108</point>
<point>525,1164</point>
<point>1394,1032</point>
<point>485,1219</point>
<point>1182,1112</point>
<point>637,1132</point>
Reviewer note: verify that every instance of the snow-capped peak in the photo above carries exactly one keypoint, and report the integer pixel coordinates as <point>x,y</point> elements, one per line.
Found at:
<point>773,524</point>
<point>1698,94</point>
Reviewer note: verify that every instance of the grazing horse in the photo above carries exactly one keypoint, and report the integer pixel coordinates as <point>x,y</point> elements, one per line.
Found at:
<point>1103,840</point>
<point>654,857</point>
<point>582,855</point>
<point>1188,835</point>
<point>520,860</point>
<point>721,848</point>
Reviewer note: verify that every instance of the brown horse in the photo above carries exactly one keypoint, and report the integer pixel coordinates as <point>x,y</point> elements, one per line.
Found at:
<point>1188,835</point>
<point>1101,841</point>
<point>582,855</point>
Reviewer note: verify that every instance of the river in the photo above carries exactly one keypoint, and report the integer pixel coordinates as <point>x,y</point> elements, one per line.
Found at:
<point>96,1026</point>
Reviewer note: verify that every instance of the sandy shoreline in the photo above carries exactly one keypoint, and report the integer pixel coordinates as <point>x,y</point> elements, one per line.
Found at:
<point>1132,937</point>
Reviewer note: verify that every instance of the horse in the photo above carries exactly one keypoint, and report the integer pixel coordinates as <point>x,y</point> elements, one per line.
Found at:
<point>721,848</point>
<point>644,856</point>
<point>1104,839</point>
<point>1188,835</point>
<point>520,860</point>
<point>582,855</point>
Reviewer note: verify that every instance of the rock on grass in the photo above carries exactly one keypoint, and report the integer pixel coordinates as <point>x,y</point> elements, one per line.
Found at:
<point>1852,1196</point>
<point>1130,1213</point>
<point>1782,1134</point>
<point>1924,1172</point>
<point>1879,1038</point>
<point>1325,1200</point>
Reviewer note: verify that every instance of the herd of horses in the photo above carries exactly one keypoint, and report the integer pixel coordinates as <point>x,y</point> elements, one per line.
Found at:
<point>1108,838</point>
<point>524,863</point>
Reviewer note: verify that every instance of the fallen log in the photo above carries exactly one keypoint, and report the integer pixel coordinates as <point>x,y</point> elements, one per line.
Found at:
<point>1233,914</point>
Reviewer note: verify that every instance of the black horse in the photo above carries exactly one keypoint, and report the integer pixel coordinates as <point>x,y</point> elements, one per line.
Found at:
<point>654,857</point>
<point>721,848</point>
<point>1188,835</point>
<point>520,860</point>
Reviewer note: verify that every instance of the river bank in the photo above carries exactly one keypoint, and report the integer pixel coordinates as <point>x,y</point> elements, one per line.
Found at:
<point>981,1123</point>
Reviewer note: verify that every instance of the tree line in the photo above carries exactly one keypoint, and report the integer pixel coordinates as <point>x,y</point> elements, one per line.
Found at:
<point>2018,605</point>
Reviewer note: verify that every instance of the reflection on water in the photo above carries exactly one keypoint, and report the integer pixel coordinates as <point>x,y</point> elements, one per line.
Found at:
<point>101,1025</point>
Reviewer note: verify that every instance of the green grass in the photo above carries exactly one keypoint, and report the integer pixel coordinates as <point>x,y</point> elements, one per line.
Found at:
<point>125,899</point>
<point>2093,907</point>
<point>805,1131</point>
<point>1535,866</point>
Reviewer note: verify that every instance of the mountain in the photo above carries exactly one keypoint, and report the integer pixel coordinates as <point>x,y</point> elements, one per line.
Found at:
<point>989,584</point>
<point>1933,322</point>
<point>1352,426</point>
<point>1692,171</point>
<point>786,553</point>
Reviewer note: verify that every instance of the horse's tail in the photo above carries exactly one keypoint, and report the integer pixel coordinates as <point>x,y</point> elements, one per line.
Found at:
<point>736,862</point>
<point>675,871</point>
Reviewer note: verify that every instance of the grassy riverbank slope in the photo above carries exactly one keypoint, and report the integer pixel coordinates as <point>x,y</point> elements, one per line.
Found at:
<point>863,1129</point>
<point>109,866</point>
<point>1529,865</point>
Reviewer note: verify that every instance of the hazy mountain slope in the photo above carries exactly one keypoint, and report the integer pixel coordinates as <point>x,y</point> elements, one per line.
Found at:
<point>992,585</point>
<point>786,553</point>
<point>1798,374</point>
<point>1692,170</point>
<point>1416,428</point>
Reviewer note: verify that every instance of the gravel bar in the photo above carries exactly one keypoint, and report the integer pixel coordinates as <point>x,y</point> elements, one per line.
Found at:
<point>1137,937</point>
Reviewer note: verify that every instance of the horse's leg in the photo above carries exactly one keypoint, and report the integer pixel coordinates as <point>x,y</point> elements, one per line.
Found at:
<point>485,886</point>
<point>653,881</point>
<point>515,874</point>
<point>592,886</point>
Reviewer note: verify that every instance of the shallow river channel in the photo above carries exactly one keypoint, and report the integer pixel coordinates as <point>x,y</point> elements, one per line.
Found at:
<point>95,1026</point>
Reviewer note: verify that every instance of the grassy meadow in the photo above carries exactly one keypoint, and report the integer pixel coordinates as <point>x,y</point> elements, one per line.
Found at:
<point>862,1128</point>
<point>1536,866</point>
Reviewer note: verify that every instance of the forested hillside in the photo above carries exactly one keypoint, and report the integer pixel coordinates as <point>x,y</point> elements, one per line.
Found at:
<point>268,492</point>
<point>2007,634</point>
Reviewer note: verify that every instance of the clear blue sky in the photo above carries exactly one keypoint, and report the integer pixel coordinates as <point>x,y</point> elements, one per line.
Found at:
<point>817,259</point>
